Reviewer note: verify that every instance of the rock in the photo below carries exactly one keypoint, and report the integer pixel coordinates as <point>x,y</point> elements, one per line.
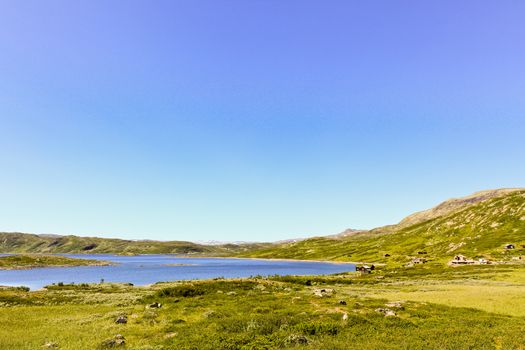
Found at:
<point>386,312</point>
<point>176,300</point>
<point>50,345</point>
<point>297,339</point>
<point>345,316</point>
<point>325,292</point>
<point>259,287</point>
<point>116,341</point>
<point>210,314</point>
<point>342,302</point>
<point>170,335</point>
<point>122,319</point>
<point>396,304</point>
<point>155,305</point>
<point>231,293</point>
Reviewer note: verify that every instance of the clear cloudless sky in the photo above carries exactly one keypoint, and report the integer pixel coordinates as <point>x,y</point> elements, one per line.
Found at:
<point>253,120</point>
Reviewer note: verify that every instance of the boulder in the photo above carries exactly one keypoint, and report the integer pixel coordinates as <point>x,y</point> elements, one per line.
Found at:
<point>155,305</point>
<point>342,302</point>
<point>386,312</point>
<point>117,341</point>
<point>325,292</point>
<point>122,319</point>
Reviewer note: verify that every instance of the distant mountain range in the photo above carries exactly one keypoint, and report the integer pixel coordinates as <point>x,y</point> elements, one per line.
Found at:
<point>478,225</point>
<point>16,242</point>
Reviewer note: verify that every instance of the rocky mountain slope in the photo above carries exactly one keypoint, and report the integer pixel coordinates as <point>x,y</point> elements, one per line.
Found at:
<point>478,226</point>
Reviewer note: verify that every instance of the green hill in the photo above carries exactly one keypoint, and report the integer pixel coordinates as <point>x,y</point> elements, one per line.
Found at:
<point>12,242</point>
<point>477,226</point>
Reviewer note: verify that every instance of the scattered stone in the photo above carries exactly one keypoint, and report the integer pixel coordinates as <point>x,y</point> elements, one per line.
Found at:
<point>51,345</point>
<point>259,287</point>
<point>297,339</point>
<point>122,319</point>
<point>342,302</point>
<point>325,292</point>
<point>386,312</point>
<point>170,335</point>
<point>395,304</point>
<point>116,341</point>
<point>210,314</point>
<point>155,305</point>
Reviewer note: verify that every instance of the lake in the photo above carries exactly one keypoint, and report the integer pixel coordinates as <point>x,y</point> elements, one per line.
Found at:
<point>148,269</point>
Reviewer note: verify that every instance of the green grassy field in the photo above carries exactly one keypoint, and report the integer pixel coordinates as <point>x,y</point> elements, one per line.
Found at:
<point>29,261</point>
<point>468,307</point>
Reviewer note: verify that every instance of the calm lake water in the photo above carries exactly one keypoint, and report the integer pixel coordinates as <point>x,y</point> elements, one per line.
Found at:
<point>147,269</point>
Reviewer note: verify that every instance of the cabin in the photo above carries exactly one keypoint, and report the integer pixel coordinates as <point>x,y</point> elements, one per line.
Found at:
<point>510,246</point>
<point>365,269</point>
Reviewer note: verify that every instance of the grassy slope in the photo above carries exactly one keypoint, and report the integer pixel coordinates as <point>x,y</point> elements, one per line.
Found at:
<point>477,230</point>
<point>30,243</point>
<point>25,261</point>
<point>274,313</point>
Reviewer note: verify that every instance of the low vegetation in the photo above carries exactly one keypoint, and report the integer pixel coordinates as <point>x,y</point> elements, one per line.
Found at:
<point>29,261</point>
<point>444,308</point>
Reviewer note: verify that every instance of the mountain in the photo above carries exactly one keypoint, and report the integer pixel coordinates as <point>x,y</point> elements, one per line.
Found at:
<point>14,242</point>
<point>477,226</point>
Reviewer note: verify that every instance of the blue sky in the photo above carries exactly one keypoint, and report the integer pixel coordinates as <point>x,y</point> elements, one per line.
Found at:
<point>253,120</point>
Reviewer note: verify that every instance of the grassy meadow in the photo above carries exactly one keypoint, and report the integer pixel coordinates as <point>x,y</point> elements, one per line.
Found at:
<point>466,307</point>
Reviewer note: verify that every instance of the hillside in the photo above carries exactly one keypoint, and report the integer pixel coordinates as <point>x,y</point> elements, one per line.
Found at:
<point>476,226</point>
<point>49,244</point>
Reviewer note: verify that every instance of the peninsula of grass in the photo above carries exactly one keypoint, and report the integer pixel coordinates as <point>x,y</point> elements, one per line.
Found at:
<point>30,261</point>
